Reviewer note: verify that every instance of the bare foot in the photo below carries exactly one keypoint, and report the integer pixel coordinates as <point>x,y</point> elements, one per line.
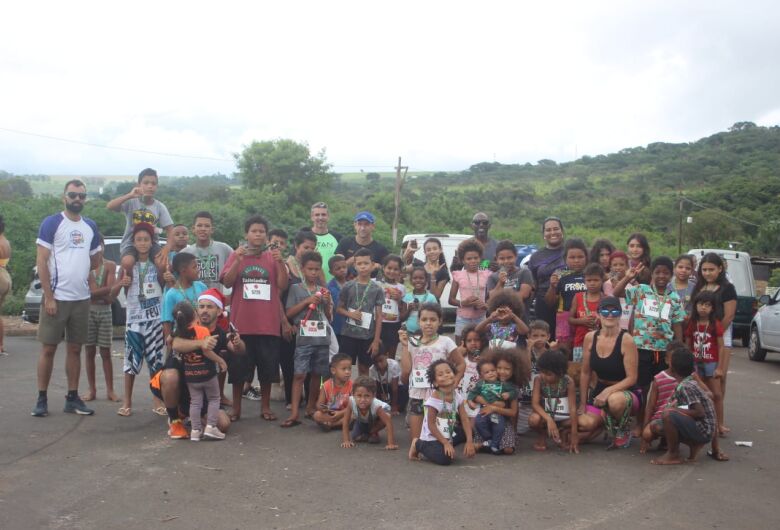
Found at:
<point>667,459</point>
<point>694,453</point>
<point>540,445</point>
<point>225,402</point>
<point>723,431</point>
<point>89,396</point>
<point>113,397</point>
<point>413,451</point>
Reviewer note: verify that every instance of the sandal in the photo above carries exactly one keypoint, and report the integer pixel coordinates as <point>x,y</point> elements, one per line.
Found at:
<point>124,411</point>
<point>290,423</point>
<point>719,456</point>
<point>160,411</point>
<point>269,416</point>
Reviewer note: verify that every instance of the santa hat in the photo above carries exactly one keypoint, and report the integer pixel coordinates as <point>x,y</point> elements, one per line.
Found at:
<point>213,296</point>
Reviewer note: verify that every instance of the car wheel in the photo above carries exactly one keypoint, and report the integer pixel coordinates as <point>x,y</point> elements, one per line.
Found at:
<point>755,351</point>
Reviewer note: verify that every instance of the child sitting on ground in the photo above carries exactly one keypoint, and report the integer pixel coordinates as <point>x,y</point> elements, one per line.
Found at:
<point>471,347</point>
<point>538,343</point>
<point>661,390</point>
<point>385,373</point>
<point>369,415</point>
<point>334,396</point>
<point>490,390</point>
<point>554,397</point>
<point>504,327</point>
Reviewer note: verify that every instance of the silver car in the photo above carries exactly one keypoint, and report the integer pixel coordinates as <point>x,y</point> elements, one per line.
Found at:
<point>765,328</point>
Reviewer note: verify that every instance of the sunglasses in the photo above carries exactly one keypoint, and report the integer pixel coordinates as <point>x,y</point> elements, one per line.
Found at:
<point>72,195</point>
<point>614,313</point>
<point>319,205</point>
<point>481,223</point>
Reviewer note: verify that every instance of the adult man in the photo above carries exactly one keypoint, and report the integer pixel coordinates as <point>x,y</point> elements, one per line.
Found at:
<point>481,224</point>
<point>68,246</point>
<point>168,384</point>
<point>210,255</point>
<point>326,241</point>
<point>364,223</point>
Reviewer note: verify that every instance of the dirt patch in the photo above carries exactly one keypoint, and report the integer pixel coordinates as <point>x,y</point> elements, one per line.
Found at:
<point>16,327</point>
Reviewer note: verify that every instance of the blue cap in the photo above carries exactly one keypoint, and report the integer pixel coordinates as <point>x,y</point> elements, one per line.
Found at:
<point>365,216</point>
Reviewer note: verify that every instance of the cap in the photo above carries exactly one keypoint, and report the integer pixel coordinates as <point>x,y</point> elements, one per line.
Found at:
<point>608,302</point>
<point>213,296</point>
<point>364,216</point>
<point>144,227</point>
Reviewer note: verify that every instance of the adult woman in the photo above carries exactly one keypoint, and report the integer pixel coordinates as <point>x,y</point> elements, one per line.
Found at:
<point>611,354</point>
<point>600,252</point>
<point>5,277</point>
<point>543,264</point>
<point>435,266</point>
<point>638,250</point>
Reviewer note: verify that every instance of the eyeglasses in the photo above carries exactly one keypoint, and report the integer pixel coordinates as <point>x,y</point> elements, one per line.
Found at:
<point>614,313</point>
<point>319,205</point>
<point>480,222</point>
<point>72,195</point>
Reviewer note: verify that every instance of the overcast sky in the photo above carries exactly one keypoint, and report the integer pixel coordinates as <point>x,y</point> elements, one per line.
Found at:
<point>442,84</point>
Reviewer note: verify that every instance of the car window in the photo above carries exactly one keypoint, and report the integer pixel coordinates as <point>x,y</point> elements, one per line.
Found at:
<point>737,276</point>
<point>111,252</point>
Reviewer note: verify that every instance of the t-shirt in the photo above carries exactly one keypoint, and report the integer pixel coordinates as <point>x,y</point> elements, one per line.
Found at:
<point>491,391</point>
<point>471,284</point>
<point>337,398</point>
<point>348,246</point>
<point>335,293</point>
<point>412,321</point>
<point>326,246</point>
<point>432,279</point>
<point>581,310</point>
<point>704,338</point>
<point>70,243</point>
<point>664,387</point>
<point>365,298</point>
<point>685,293</point>
<point>176,294</point>
<point>689,392</point>
<point>254,302</point>
<point>469,381</point>
<point>422,356</point>
<point>144,295</point>
<point>136,211</point>
<point>542,264</point>
<point>514,279</point>
<point>197,367</point>
<point>654,316</point>
<point>568,287</point>
<point>211,262</point>
<point>446,415</point>
<point>501,333</point>
<point>372,413</point>
<point>725,293</point>
<point>384,381</point>
<point>321,337</point>
<point>391,312</point>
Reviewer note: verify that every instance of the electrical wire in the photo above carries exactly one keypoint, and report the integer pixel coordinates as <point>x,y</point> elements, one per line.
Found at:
<point>704,206</point>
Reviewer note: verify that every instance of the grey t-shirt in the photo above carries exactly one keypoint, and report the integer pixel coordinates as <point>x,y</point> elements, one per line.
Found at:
<point>296,295</point>
<point>156,214</point>
<point>514,279</point>
<point>211,262</point>
<point>364,298</point>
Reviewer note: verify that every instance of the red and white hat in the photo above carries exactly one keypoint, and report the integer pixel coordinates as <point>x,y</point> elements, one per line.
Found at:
<point>213,296</point>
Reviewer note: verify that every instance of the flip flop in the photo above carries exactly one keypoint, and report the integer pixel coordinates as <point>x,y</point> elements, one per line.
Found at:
<point>290,423</point>
<point>160,411</point>
<point>718,457</point>
<point>269,416</point>
<point>124,411</point>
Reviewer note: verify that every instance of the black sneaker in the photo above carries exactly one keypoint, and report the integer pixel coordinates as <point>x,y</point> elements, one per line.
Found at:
<point>76,406</point>
<point>41,408</point>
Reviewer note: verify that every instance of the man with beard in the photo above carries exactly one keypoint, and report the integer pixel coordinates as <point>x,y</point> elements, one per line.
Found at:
<point>168,384</point>
<point>67,249</point>
<point>365,224</point>
<point>481,224</point>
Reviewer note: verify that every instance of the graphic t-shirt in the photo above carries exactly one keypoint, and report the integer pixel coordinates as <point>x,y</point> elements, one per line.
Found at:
<point>654,315</point>
<point>156,214</point>
<point>568,287</point>
<point>471,284</point>
<point>422,357</point>
<point>144,295</point>
<point>446,415</point>
<point>254,302</point>
<point>326,246</point>
<point>211,262</point>
<point>337,398</point>
<point>704,338</point>
<point>198,367</point>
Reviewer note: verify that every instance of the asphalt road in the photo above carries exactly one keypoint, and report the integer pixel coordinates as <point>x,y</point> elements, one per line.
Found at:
<point>106,471</point>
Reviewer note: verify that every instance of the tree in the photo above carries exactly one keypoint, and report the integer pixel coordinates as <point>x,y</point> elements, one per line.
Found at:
<point>15,188</point>
<point>284,166</point>
<point>373,177</point>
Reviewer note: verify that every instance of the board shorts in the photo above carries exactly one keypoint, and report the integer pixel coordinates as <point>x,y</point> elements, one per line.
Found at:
<point>100,329</point>
<point>143,340</point>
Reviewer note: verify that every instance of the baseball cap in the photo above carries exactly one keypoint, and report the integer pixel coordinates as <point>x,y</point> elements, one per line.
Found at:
<point>609,302</point>
<point>365,216</point>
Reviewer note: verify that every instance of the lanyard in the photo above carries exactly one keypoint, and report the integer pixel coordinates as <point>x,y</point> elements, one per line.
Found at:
<point>99,274</point>
<point>585,303</point>
<point>547,393</point>
<point>451,414</point>
<point>311,293</point>
<point>474,292</point>
<point>142,276</point>
<point>184,294</point>
<point>296,266</point>
<point>208,250</point>
<point>661,301</point>
<point>361,299</point>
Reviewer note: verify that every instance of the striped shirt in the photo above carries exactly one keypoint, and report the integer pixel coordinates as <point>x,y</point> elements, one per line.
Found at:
<point>664,387</point>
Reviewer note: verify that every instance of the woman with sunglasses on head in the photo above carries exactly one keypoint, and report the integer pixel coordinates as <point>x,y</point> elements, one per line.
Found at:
<point>543,264</point>
<point>611,354</point>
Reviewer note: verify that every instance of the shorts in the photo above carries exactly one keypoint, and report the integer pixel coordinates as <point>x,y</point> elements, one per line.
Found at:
<point>131,251</point>
<point>650,364</point>
<point>461,322</point>
<point>357,349</point>
<point>416,407</point>
<point>262,351</point>
<point>705,369</point>
<point>389,337</point>
<point>687,429</point>
<point>144,340</point>
<point>524,411</point>
<point>237,367</point>
<point>72,319</point>
<point>5,284</point>
<point>562,327</point>
<point>100,329</point>
<point>312,359</point>
<point>576,354</point>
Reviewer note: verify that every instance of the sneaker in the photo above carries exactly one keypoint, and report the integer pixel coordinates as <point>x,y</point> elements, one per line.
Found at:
<point>212,432</point>
<point>76,406</point>
<point>252,393</point>
<point>196,435</point>
<point>41,408</point>
<point>495,450</point>
<point>178,431</point>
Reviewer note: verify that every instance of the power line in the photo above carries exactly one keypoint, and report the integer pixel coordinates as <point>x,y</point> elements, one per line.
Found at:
<point>701,205</point>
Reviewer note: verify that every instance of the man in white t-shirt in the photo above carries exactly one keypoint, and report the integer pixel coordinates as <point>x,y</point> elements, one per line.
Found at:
<point>68,245</point>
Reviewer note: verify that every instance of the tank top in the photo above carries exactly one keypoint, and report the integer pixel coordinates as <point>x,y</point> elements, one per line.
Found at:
<point>609,368</point>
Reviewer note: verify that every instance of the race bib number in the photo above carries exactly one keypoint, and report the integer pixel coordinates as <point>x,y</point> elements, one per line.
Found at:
<point>257,291</point>
<point>503,344</point>
<point>561,406</point>
<point>152,290</point>
<point>364,322</point>
<point>313,328</point>
<point>444,427</point>
<point>390,310</point>
<point>420,378</point>
<point>651,308</point>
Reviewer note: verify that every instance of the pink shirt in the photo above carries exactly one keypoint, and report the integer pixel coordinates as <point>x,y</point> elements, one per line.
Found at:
<point>664,387</point>
<point>471,284</point>
<point>249,312</point>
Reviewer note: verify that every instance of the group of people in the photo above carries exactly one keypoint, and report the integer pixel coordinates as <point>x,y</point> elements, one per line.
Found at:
<point>577,343</point>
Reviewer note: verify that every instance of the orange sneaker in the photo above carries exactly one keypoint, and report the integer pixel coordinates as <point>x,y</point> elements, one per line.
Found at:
<point>178,431</point>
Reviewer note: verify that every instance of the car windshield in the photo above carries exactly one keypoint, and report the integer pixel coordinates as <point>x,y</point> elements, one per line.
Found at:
<point>736,275</point>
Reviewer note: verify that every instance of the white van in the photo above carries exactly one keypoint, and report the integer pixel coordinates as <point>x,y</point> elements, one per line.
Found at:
<point>449,244</point>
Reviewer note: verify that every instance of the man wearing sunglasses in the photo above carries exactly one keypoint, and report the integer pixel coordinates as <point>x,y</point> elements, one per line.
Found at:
<point>68,246</point>
<point>480,223</point>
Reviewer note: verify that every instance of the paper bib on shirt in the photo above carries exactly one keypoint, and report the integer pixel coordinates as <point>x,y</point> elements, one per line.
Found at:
<point>444,426</point>
<point>257,291</point>
<point>560,406</point>
<point>365,322</point>
<point>152,290</point>
<point>313,328</point>
<point>419,378</point>
<point>503,344</point>
<point>390,310</point>
<point>650,308</point>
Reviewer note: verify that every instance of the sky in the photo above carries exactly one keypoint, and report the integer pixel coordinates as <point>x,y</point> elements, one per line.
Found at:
<point>442,84</point>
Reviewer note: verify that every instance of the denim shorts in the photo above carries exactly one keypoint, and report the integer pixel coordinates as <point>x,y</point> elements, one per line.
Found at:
<point>461,323</point>
<point>310,358</point>
<point>706,369</point>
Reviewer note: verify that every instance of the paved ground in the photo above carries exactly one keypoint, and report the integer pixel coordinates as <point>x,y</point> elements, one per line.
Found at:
<point>106,471</point>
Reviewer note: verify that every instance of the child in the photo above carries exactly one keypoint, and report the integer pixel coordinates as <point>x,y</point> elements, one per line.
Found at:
<point>179,239</point>
<point>369,414</point>
<point>470,283</point>
<point>564,285</point>
<point>337,265</point>
<point>639,254</point>
<point>684,283</point>
<point>100,329</point>
<point>309,307</point>
<point>583,316</point>
<point>470,349</point>
<point>618,265</point>
<point>334,395</point>
<point>210,255</point>
<point>361,302</point>
<point>200,374</point>
<point>538,343</point>
<point>140,206</point>
<point>554,400</point>
<point>508,276</point>
<point>412,301</point>
<point>504,327</point>
<point>704,336</point>
<point>488,391</point>
<point>394,306</point>
<point>186,288</point>
<point>143,330</point>
<point>661,390</point>
<point>385,373</point>
<point>446,422</point>
<point>690,418</point>
<point>417,355</point>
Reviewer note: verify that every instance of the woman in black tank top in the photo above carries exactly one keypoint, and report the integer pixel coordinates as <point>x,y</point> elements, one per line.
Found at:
<point>611,354</point>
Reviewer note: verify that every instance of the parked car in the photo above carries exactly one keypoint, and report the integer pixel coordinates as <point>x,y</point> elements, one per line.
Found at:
<point>765,328</point>
<point>524,252</point>
<point>740,273</point>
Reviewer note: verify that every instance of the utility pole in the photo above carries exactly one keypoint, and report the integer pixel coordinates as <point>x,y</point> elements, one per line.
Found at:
<point>679,229</point>
<point>399,184</point>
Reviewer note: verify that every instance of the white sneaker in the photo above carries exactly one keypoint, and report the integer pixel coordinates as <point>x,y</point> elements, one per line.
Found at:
<point>212,432</point>
<point>196,435</point>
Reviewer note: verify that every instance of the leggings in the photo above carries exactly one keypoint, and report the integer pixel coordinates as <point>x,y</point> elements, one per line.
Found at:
<point>434,450</point>
<point>211,388</point>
